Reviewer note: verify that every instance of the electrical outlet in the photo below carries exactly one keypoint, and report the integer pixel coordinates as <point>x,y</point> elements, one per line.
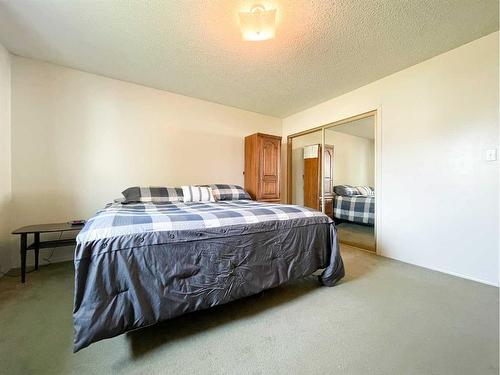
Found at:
<point>491,155</point>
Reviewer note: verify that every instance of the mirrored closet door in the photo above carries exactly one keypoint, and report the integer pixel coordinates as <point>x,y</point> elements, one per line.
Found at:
<point>332,169</point>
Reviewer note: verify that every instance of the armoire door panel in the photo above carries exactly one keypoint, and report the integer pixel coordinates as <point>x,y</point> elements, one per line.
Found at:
<point>270,168</point>
<point>262,166</point>
<point>270,157</point>
<point>269,189</point>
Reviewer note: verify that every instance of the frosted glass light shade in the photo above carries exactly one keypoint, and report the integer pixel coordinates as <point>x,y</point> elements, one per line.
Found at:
<point>258,24</point>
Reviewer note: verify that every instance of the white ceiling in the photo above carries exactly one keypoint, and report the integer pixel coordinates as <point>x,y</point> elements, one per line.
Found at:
<point>323,48</point>
<point>364,128</point>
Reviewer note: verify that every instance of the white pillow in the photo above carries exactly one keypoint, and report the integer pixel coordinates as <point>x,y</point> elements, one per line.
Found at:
<point>197,194</point>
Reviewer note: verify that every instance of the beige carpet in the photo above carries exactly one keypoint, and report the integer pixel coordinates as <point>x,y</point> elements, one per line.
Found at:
<point>362,236</point>
<point>386,317</point>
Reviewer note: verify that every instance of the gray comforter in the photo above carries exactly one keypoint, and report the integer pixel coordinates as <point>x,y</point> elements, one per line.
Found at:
<point>139,264</point>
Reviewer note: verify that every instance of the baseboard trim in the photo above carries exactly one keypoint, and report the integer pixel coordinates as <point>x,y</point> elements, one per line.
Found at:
<point>69,257</point>
<point>456,274</point>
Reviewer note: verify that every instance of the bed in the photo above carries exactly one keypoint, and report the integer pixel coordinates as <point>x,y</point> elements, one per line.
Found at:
<point>141,263</point>
<point>354,204</point>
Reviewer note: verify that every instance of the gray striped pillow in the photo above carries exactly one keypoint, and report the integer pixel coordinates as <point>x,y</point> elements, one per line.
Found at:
<point>197,194</point>
<point>154,194</point>
<point>224,192</point>
<point>345,190</point>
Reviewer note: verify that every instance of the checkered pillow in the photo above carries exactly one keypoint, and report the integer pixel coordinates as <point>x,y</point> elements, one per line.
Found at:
<point>197,194</point>
<point>345,190</point>
<point>366,191</point>
<point>153,194</point>
<point>229,192</point>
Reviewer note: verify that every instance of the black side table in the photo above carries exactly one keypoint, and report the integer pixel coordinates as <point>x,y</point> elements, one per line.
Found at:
<point>36,230</point>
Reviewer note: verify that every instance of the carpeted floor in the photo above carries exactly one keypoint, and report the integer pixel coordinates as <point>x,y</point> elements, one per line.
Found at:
<point>357,235</point>
<point>386,317</point>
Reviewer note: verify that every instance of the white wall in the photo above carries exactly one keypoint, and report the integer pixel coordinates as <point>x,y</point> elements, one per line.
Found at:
<point>79,139</point>
<point>5,170</point>
<point>353,159</point>
<point>437,197</point>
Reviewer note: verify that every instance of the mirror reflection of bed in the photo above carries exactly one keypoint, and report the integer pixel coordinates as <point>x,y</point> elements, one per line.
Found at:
<point>348,161</point>
<point>354,181</point>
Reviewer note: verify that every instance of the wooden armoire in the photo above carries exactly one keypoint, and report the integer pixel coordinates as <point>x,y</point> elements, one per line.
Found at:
<point>312,177</point>
<point>262,167</point>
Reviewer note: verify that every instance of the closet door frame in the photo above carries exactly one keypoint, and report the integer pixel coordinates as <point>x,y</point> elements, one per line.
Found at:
<point>376,113</point>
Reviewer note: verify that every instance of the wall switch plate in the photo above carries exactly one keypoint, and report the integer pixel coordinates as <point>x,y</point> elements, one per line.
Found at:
<point>491,155</point>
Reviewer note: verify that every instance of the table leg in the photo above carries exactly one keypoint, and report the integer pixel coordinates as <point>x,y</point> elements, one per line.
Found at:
<point>37,249</point>
<point>23,256</point>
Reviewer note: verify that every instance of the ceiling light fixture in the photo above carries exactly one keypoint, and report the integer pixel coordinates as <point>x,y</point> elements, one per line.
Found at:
<point>258,24</point>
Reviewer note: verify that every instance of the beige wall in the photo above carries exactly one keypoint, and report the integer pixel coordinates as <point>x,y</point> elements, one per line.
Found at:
<point>79,139</point>
<point>353,159</point>
<point>437,196</point>
<point>5,170</point>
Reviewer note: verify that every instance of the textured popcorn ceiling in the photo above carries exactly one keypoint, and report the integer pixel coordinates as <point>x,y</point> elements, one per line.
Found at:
<point>323,48</point>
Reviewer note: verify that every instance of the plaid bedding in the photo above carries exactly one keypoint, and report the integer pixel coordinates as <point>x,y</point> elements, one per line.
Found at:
<point>358,209</point>
<point>117,219</point>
